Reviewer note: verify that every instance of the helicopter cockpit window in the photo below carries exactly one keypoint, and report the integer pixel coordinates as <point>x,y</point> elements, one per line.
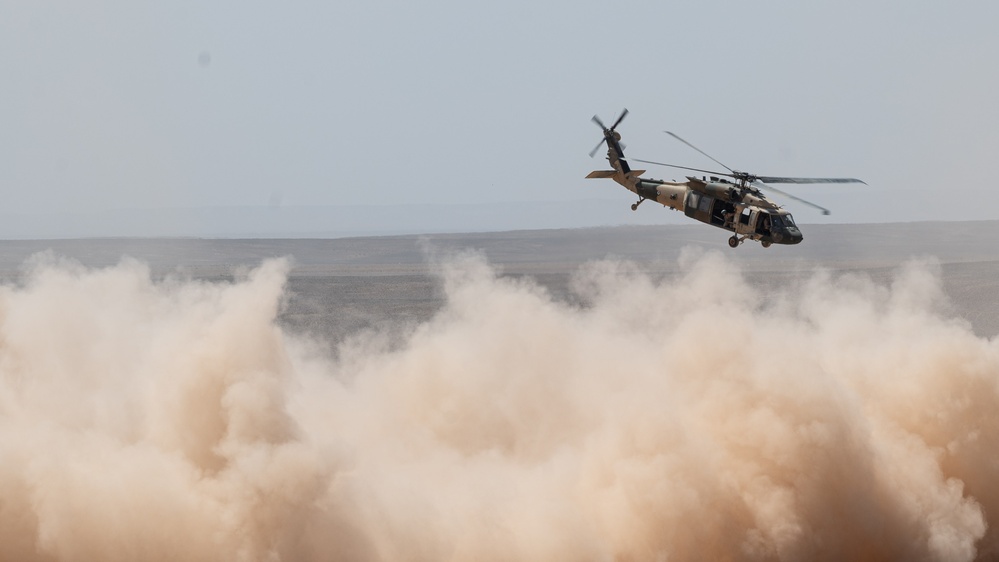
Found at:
<point>777,222</point>
<point>788,220</point>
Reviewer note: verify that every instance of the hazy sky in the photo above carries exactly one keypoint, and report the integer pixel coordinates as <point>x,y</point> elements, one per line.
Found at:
<point>111,105</point>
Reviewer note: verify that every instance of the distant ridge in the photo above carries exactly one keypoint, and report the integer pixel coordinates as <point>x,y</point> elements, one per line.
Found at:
<point>840,245</point>
<point>345,220</point>
<point>326,221</point>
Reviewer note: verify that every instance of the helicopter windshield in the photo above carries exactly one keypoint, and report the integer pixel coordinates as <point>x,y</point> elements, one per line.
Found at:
<point>788,220</point>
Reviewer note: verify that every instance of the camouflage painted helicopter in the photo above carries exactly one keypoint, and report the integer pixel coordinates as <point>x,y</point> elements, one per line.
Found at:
<point>737,206</point>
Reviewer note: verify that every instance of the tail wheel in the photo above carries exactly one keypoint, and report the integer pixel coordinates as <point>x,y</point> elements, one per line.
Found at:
<point>733,242</point>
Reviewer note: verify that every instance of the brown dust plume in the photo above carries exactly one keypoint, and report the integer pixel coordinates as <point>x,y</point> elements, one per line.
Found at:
<point>688,418</point>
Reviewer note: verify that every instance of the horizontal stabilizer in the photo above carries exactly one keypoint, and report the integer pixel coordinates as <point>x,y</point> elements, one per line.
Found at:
<point>602,174</point>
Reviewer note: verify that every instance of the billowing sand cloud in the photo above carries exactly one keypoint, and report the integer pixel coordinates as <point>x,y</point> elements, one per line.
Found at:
<point>685,418</point>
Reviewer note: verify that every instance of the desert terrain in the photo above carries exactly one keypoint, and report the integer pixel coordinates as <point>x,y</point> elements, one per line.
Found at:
<point>339,286</point>
<point>632,393</point>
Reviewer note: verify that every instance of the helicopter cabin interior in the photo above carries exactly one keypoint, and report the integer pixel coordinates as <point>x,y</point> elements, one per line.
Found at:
<point>720,212</point>
<point>712,210</point>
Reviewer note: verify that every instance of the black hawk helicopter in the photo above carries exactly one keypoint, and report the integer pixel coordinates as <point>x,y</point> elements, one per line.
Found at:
<point>737,206</point>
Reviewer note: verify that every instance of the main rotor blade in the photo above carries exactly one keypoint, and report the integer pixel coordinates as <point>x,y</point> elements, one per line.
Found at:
<point>769,179</point>
<point>699,150</point>
<point>762,185</point>
<point>599,122</point>
<point>683,167</point>
<point>596,148</point>
<point>619,119</point>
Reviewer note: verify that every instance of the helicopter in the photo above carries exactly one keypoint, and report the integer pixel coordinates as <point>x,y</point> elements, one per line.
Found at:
<point>737,204</point>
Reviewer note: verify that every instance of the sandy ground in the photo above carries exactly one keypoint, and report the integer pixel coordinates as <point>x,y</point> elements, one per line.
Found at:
<point>681,411</point>
<point>340,286</point>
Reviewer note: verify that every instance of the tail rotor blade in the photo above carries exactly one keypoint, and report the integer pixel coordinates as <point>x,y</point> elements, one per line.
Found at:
<point>619,119</point>
<point>596,148</point>
<point>607,131</point>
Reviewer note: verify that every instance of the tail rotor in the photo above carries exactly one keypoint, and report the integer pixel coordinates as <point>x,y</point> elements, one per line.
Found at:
<point>610,135</point>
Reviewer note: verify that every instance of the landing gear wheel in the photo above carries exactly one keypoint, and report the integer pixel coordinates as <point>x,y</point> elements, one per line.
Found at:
<point>634,206</point>
<point>733,242</point>
<point>765,243</point>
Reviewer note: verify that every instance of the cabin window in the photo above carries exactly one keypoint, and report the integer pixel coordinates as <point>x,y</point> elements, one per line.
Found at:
<point>705,204</point>
<point>693,199</point>
<point>777,222</point>
<point>789,220</point>
<point>763,224</point>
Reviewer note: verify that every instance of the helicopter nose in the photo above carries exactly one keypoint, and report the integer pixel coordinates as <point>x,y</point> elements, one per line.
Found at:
<point>795,238</point>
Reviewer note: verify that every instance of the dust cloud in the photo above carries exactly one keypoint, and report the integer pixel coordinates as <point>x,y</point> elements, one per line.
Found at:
<point>690,417</point>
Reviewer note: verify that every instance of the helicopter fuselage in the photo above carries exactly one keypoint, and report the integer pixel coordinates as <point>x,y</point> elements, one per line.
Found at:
<point>743,211</point>
<point>737,206</point>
